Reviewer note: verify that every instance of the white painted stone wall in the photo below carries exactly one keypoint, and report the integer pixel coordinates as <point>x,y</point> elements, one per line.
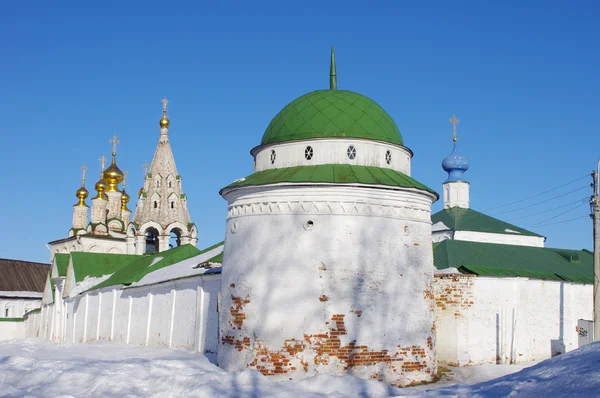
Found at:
<point>345,269</point>
<point>507,320</point>
<point>332,151</point>
<point>91,244</point>
<point>80,216</point>
<point>180,313</point>
<point>16,307</point>
<point>12,329</point>
<point>456,194</point>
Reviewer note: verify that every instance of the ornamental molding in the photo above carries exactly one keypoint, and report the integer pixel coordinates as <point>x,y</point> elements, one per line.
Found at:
<point>351,208</point>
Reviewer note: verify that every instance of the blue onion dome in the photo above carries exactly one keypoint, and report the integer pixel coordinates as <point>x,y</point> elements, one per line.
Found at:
<point>455,165</point>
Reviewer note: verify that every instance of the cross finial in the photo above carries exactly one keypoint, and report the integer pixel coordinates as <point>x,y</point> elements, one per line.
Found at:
<point>83,170</point>
<point>102,163</point>
<point>165,101</point>
<point>146,168</point>
<point>454,121</point>
<point>124,179</point>
<point>114,141</point>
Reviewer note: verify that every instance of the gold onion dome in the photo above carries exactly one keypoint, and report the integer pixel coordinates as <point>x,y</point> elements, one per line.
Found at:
<point>113,176</point>
<point>82,194</point>
<point>124,200</point>
<point>101,187</point>
<point>164,120</point>
<point>141,191</point>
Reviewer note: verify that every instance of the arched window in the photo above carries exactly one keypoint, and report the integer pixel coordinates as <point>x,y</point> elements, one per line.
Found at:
<point>155,204</point>
<point>175,238</point>
<point>151,240</point>
<point>172,205</point>
<point>169,184</point>
<point>157,183</point>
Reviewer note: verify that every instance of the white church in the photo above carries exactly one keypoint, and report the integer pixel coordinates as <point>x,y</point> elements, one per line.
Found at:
<point>331,263</point>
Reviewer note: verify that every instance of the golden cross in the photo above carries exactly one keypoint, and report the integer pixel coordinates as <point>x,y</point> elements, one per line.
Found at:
<point>165,102</point>
<point>102,163</point>
<point>114,141</point>
<point>454,121</point>
<point>83,170</point>
<point>124,179</point>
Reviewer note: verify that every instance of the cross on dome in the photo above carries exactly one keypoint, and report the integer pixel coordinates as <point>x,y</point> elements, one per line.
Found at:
<point>146,167</point>
<point>114,141</point>
<point>454,121</point>
<point>102,163</point>
<point>83,170</point>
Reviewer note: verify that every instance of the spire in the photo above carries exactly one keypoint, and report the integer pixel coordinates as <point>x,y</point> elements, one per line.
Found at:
<point>164,120</point>
<point>332,74</point>
<point>113,175</point>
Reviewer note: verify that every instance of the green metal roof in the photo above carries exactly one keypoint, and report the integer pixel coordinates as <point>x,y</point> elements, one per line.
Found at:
<point>62,263</point>
<point>219,257</point>
<point>492,259</point>
<point>332,173</point>
<point>460,219</point>
<point>332,113</point>
<point>99,264</point>
<point>143,265</point>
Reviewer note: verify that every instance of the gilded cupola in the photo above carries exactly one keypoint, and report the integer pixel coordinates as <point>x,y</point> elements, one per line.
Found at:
<point>113,175</point>
<point>82,193</point>
<point>101,186</point>
<point>125,197</point>
<point>164,120</point>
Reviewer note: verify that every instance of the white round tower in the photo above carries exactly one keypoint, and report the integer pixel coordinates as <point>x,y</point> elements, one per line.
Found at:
<point>328,265</point>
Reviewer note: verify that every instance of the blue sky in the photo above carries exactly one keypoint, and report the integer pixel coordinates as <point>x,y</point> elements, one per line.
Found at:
<point>523,78</point>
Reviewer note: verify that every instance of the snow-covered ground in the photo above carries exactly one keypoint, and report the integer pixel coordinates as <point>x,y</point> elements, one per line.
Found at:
<point>38,368</point>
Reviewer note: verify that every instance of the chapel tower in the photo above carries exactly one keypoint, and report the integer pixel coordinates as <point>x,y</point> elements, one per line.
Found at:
<point>456,188</point>
<point>328,266</point>
<point>161,212</point>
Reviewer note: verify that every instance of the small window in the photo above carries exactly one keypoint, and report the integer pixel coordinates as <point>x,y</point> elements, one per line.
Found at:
<point>273,156</point>
<point>6,313</point>
<point>308,153</point>
<point>157,184</point>
<point>155,204</point>
<point>351,152</point>
<point>388,157</point>
<point>169,184</point>
<point>172,205</point>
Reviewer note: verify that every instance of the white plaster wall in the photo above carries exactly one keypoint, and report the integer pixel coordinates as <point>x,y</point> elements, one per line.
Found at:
<point>174,313</point>
<point>366,260</point>
<point>332,151</point>
<point>16,307</point>
<point>88,243</point>
<point>507,320</point>
<point>12,330</point>
<point>507,239</point>
<point>456,194</point>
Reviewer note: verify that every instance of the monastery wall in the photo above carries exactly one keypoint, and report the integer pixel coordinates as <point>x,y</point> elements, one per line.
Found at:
<point>12,328</point>
<point>507,320</point>
<point>178,313</point>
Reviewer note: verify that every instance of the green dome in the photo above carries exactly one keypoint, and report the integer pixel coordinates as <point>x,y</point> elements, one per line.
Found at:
<point>332,113</point>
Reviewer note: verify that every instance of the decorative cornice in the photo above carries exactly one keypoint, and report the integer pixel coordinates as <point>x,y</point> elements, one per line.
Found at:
<point>352,208</point>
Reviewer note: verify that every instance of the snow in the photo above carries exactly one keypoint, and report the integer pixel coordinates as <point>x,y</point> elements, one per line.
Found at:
<point>87,283</point>
<point>21,294</point>
<point>40,368</point>
<point>178,270</point>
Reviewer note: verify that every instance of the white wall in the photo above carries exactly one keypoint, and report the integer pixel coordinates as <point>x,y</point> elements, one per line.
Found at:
<point>507,320</point>
<point>172,314</point>
<point>12,330</point>
<point>332,151</point>
<point>358,281</point>
<point>16,307</point>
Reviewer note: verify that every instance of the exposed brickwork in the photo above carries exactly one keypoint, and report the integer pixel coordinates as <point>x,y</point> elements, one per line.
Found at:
<point>237,313</point>
<point>322,348</point>
<point>323,298</point>
<point>453,293</point>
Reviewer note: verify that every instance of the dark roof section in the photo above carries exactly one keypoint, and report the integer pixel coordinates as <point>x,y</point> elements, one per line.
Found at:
<point>22,276</point>
<point>460,219</point>
<point>492,259</point>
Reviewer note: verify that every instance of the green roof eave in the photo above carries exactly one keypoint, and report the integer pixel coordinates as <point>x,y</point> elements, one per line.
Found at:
<point>461,219</point>
<point>332,174</point>
<point>62,263</point>
<point>500,260</point>
<point>99,264</point>
<point>146,264</point>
